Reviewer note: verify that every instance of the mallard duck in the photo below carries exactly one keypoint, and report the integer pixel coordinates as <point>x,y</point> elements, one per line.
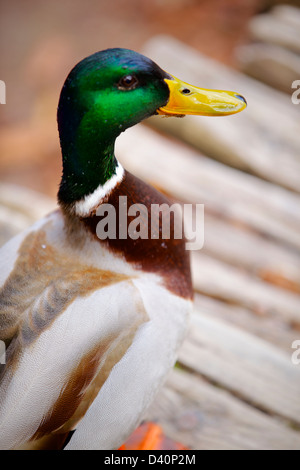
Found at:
<point>92,326</point>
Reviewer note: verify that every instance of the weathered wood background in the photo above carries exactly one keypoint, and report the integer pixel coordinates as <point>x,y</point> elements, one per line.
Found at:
<point>235,386</point>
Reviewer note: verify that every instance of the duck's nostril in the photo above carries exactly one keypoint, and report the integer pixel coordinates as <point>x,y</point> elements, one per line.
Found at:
<point>240,97</point>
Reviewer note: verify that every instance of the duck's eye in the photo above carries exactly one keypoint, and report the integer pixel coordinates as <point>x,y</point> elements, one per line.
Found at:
<point>129,82</point>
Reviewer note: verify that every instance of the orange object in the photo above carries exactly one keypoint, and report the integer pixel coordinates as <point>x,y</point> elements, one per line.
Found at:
<point>150,436</point>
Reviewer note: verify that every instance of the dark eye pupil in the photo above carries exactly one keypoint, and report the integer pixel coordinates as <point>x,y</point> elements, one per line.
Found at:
<point>128,82</point>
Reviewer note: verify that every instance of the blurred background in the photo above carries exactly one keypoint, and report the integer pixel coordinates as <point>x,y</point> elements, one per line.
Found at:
<point>235,384</point>
<point>41,42</point>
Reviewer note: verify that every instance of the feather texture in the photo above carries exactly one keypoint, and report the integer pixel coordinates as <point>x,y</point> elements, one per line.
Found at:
<point>83,333</point>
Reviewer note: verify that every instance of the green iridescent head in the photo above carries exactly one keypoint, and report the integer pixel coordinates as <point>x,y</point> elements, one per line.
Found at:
<point>110,91</point>
<point>103,95</point>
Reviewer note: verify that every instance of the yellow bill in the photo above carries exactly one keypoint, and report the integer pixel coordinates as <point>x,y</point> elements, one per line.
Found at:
<point>187,99</point>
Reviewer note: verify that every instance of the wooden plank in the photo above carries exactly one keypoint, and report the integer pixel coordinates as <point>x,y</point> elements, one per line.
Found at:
<point>271,59</point>
<point>265,325</point>
<point>288,14</point>
<point>258,140</point>
<point>216,279</point>
<point>205,417</point>
<point>248,250</point>
<point>228,193</point>
<point>249,367</point>
<point>273,65</point>
<point>31,204</point>
<point>19,208</point>
<point>278,28</point>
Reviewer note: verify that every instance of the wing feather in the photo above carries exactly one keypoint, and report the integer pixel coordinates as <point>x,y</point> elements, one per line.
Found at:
<point>66,324</point>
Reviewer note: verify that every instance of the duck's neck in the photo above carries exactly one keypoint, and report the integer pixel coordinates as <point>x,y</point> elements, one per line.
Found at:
<point>84,173</point>
<point>88,156</point>
<point>87,205</point>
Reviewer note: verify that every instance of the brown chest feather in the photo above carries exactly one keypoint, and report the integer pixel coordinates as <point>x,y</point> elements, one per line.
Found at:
<point>165,256</point>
